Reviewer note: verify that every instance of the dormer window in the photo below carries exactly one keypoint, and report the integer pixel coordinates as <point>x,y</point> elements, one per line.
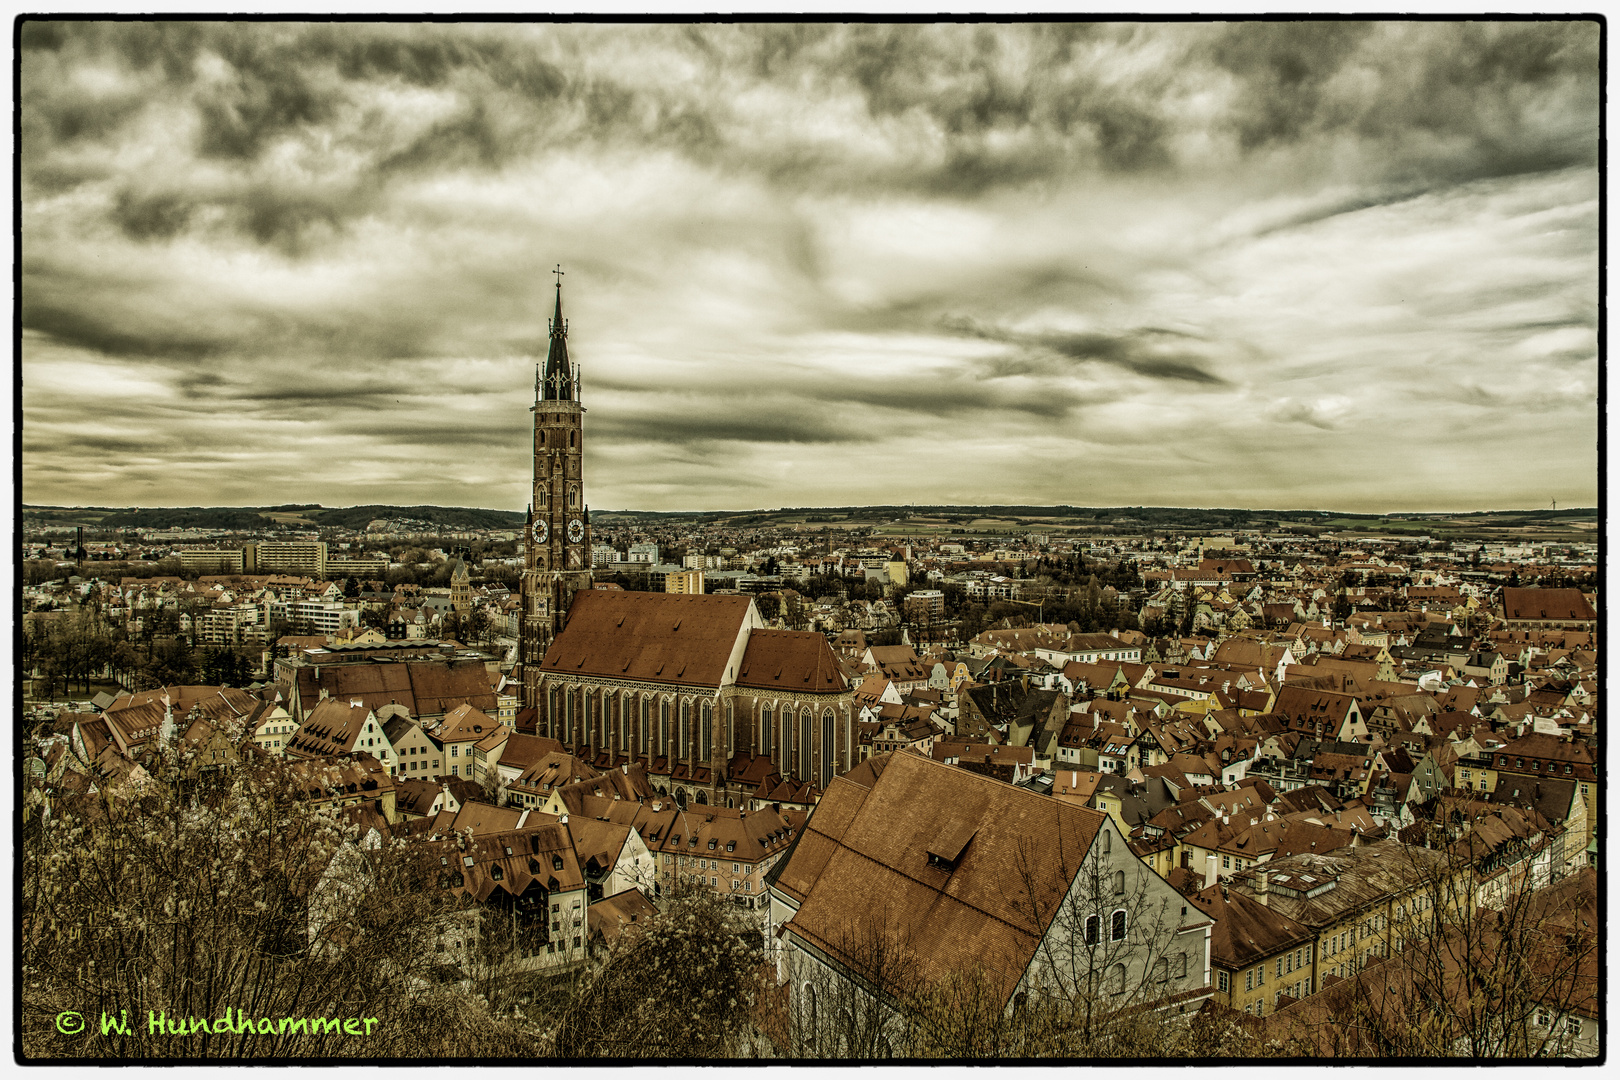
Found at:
<point>556,862</point>
<point>496,872</point>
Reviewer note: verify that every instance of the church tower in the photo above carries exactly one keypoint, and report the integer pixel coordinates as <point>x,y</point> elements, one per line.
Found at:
<point>557,561</point>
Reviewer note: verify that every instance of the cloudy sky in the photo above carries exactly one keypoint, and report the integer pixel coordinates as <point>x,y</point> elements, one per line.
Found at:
<point>1348,266</point>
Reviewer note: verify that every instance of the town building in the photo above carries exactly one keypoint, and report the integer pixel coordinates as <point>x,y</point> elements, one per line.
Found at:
<point>693,687</point>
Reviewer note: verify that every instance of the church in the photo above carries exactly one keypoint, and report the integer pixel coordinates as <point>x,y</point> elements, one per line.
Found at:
<point>720,709</point>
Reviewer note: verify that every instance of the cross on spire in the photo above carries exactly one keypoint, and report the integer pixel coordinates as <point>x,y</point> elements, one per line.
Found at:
<point>559,272</point>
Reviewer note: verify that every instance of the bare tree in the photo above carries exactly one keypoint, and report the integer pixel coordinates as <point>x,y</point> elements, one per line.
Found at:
<point>1487,962</point>
<point>685,985</point>
<point>150,910</point>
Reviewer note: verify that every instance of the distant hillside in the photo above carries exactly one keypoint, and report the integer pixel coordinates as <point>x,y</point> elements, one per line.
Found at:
<point>454,517</point>
<point>1577,523</point>
<point>246,518</point>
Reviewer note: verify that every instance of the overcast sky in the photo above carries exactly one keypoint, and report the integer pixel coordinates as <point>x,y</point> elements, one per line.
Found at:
<point>1348,266</point>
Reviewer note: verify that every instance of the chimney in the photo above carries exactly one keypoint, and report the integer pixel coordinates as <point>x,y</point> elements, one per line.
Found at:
<point>1211,874</point>
<point>1262,887</point>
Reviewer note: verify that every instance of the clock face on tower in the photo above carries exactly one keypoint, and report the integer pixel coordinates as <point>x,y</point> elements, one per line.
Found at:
<point>576,531</point>
<point>541,532</point>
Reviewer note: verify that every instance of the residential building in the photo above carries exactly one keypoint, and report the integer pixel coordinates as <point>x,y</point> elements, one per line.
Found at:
<point>943,864</point>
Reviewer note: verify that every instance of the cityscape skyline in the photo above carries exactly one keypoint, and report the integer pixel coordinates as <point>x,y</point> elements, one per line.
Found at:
<point>1347,266</point>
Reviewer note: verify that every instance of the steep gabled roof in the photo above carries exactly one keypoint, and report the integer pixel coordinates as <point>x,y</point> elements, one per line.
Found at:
<point>654,637</point>
<point>799,661</point>
<point>870,861</point>
<point>1568,604</point>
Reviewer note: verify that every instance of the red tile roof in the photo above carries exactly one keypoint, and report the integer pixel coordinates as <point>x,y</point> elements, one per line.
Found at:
<point>866,867</point>
<point>796,660</point>
<point>655,637</point>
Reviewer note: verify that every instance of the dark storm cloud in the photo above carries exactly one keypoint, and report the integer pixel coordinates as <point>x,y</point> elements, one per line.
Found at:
<point>960,399</point>
<point>1147,351</point>
<point>836,240</point>
<point>683,426</point>
<point>69,320</point>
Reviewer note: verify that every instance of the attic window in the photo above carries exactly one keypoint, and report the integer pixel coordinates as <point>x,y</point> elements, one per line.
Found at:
<point>712,843</point>
<point>556,862</point>
<point>731,845</point>
<point>945,850</point>
<point>509,849</point>
<point>444,860</point>
<point>466,860</point>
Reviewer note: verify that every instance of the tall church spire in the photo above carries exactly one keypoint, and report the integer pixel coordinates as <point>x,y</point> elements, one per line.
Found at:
<point>557,540</point>
<point>558,384</point>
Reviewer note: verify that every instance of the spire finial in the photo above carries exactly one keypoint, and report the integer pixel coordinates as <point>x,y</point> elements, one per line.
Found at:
<point>559,272</point>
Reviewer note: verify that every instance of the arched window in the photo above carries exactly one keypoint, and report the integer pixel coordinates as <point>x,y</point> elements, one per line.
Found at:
<point>765,722</point>
<point>1116,926</point>
<point>641,746</point>
<point>1093,929</point>
<point>805,723</point>
<point>786,741</point>
<point>1119,882</point>
<point>731,728</point>
<point>685,727</point>
<point>705,738</point>
<point>1116,979</point>
<point>622,713</point>
<point>810,1017</point>
<point>1107,841</point>
<point>826,748</point>
<point>664,749</point>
